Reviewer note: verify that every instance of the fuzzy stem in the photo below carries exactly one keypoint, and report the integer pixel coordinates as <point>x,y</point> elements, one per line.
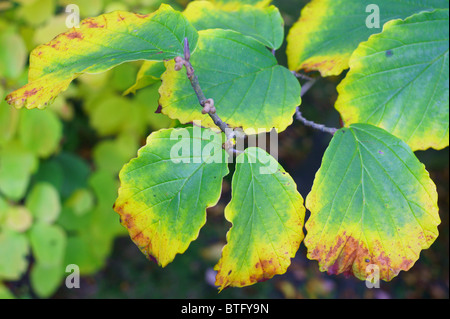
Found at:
<point>316,126</point>
<point>301,76</point>
<point>307,86</point>
<point>199,92</point>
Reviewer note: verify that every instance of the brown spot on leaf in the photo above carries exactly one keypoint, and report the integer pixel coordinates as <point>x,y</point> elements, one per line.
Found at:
<point>74,35</point>
<point>93,24</point>
<point>140,236</point>
<point>406,264</point>
<point>350,256</point>
<point>267,268</point>
<point>30,93</point>
<point>54,45</point>
<point>141,16</point>
<point>319,65</point>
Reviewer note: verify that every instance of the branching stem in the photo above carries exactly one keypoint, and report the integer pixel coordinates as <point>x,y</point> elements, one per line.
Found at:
<point>316,126</point>
<point>307,86</point>
<point>207,104</point>
<point>301,76</point>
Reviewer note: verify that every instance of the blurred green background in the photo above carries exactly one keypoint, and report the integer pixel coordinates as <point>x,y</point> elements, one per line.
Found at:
<point>58,182</point>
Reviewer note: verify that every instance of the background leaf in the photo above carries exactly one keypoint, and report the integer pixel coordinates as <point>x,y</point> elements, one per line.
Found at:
<point>80,202</point>
<point>48,243</point>
<point>110,155</point>
<point>18,218</point>
<point>149,73</point>
<point>398,80</point>
<point>372,202</point>
<point>267,214</point>
<point>40,131</point>
<point>44,203</point>
<point>13,55</point>
<point>16,168</point>
<point>14,249</point>
<point>9,119</point>
<point>233,4</point>
<point>45,279</point>
<point>5,293</point>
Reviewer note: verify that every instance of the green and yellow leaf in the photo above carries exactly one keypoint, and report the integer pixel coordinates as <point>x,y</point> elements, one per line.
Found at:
<point>263,24</point>
<point>398,80</point>
<point>259,21</point>
<point>235,4</point>
<point>149,73</point>
<point>328,31</point>
<point>100,44</point>
<point>372,204</point>
<point>166,190</point>
<point>267,214</point>
<point>249,88</point>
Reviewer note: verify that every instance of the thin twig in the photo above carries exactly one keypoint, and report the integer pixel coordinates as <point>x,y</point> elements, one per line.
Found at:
<point>190,72</point>
<point>316,126</point>
<point>301,76</point>
<point>307,86</point>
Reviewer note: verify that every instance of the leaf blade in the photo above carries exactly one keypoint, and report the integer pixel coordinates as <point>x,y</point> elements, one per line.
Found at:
<point>267,214</point>
<point>413,104</point>
<point>263,24</point>
<point>106,41</point>
<point>384,215</point>
<point>164,213</point>
<point>233,4</point>
<point>325,42</point>
<point>249,89</point>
